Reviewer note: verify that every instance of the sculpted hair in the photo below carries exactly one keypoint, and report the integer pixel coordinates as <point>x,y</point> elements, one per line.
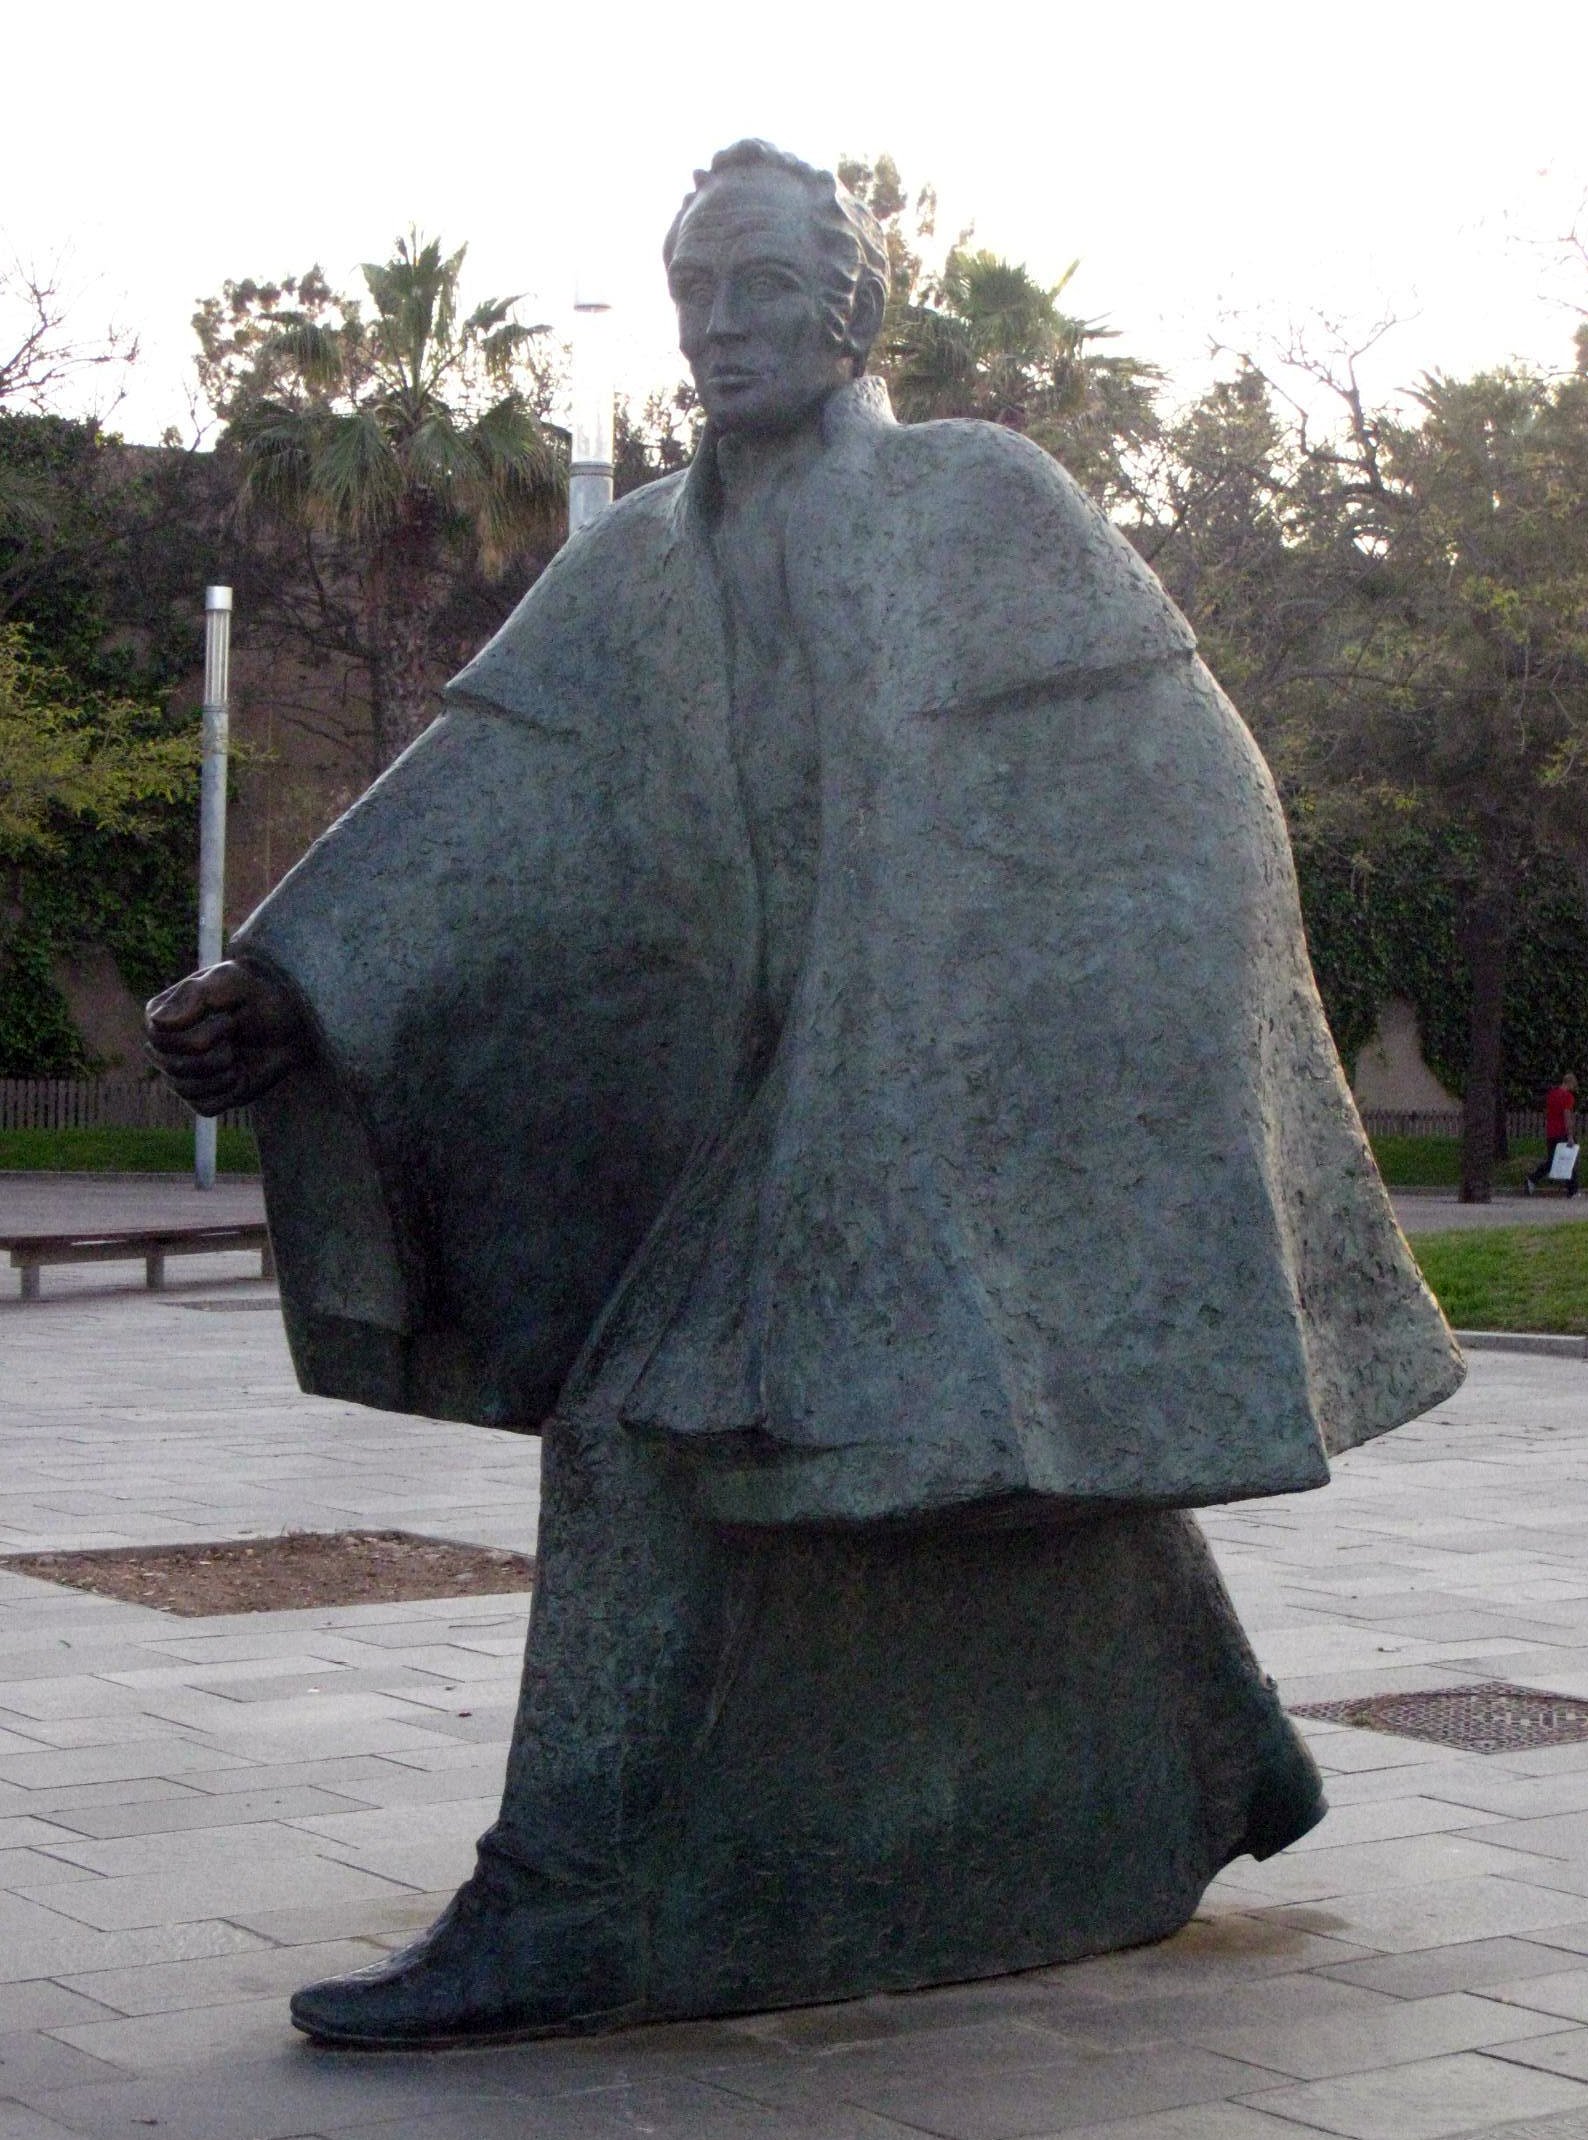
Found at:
<point>850,236</point>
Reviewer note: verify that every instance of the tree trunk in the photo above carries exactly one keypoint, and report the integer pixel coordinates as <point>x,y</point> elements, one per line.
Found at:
<point>1502,1126</point>
<point>407,582</point>
<point>1488,942</point>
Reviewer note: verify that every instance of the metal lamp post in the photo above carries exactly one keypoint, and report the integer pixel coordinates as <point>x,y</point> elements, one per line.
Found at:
<point>212,823</point>
<point>590,463</point>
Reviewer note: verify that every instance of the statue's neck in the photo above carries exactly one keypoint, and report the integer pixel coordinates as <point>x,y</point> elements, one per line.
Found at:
<point>756,465</point>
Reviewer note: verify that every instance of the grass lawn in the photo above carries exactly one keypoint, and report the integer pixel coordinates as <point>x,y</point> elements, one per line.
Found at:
<point>121,1151</point>
<point>1510,1278</point>
<point>1435,1162</point>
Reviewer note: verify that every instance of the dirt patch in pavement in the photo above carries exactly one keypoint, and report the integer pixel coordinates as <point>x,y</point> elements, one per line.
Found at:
<point>284,1573</point>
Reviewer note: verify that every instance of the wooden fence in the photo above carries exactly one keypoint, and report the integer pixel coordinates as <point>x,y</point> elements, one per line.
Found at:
<point>1520,1122</point>
<point>97,1103</point>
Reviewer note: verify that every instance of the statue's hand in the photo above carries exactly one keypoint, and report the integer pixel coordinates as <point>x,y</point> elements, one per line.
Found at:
<point>225,1036</point>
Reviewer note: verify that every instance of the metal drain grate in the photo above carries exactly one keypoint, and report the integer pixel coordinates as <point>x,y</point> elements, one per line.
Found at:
<point>1489,1718</point>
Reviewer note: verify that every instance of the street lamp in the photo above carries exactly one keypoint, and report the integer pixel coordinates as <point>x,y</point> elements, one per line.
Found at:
<point>590,462</point>
<point>212,824</point>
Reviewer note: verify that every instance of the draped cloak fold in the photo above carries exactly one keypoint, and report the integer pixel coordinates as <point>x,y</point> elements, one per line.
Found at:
<point>1050,1188</point>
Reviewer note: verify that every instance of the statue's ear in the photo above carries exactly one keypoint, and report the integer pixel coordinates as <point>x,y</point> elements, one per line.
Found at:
<point>865,317</point>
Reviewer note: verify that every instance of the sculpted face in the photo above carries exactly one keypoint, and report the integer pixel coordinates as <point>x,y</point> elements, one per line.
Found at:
<point>751,282</point>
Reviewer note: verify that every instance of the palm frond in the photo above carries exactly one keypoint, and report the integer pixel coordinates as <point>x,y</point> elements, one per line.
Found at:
<point>441,457</point>
<point>277,444</point>
<point>355,480</point>
<point>490,314</point>
<point>514,447</point>
<point>313,351</point>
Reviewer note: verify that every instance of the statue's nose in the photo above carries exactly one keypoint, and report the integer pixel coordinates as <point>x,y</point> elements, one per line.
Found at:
<point>726,321</point>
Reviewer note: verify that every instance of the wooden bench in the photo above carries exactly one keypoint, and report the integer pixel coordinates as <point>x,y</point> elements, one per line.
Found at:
<point>31,1251</point>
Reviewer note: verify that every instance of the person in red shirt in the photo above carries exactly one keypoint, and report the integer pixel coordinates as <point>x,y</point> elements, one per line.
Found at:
<point>1560,1108</point>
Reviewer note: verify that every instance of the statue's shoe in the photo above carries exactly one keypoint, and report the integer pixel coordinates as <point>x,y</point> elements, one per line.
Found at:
<point>505,1960</point>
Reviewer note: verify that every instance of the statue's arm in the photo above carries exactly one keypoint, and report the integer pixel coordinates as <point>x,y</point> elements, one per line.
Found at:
<point>226,1035</point>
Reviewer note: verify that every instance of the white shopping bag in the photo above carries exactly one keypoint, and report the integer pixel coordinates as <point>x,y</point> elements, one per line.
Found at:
<point>1564,1164</point>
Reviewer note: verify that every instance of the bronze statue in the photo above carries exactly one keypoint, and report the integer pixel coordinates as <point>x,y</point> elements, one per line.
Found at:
<point>820,1030</point>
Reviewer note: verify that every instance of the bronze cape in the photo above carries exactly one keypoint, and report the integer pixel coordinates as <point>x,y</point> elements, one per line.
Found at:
<point>1050,1187</point>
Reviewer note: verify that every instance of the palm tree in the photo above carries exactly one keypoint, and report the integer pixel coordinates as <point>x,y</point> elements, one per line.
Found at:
<point>987,340</point>
<point>410,443</point>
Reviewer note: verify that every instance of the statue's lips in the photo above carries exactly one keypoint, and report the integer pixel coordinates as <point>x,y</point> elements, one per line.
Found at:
<point>731,378</point>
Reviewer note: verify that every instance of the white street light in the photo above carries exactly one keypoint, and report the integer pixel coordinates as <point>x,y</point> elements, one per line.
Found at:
<point>594,389</point>
<point>212,823</point>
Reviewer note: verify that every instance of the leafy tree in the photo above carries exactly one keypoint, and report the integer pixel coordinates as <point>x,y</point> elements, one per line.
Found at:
<point>1401,605</point>
<point>103,548</point>
<point>1468,660</point>
<point>396,456</point>
<point>65,756</point>
<point>986,339</point>
<point>96,825</point>
<point>909,226</point>
<point>658,440</point>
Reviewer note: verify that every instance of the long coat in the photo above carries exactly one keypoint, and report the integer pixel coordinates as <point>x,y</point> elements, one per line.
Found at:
<point>1052,1190</point>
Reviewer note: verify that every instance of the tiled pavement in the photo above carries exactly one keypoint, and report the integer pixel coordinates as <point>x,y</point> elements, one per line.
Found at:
<point>197,1815</point>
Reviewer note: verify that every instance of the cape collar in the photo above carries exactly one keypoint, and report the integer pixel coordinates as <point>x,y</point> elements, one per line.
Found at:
<point>854,410</point>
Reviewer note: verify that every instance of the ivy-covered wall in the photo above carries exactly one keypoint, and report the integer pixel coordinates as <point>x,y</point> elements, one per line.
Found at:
<point>1393,928</point>
<point>106,569</point>
<point>137,897</point>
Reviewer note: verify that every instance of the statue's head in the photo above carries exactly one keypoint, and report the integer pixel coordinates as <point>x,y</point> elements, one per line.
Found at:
<point>780,277</point>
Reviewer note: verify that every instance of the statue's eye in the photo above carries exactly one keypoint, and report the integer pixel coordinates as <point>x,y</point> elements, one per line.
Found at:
<point>768,282</point>
<point>691,290</point>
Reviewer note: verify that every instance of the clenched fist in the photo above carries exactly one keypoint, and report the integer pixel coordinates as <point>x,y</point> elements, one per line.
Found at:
<point>225,1036</point>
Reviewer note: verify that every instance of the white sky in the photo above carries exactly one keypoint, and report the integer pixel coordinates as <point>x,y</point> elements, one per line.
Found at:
<point>1203,160</point>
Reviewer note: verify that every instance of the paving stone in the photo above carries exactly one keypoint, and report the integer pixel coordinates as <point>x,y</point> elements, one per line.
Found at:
<point>280,2098</point>
<point>1563,2052</point>
<point>31,2060</point>
<point>1567,2125</point>
<point>159,1756</point>
<point>1197,2121</point>
<point>43,2004</point>
<point>171,2039</point>
<point>149,1899</point>
<point>1430,2100</point>
<point>1383,1820</point>
<point>1314,2046</point>
<point>171,1987</point>
<point>189,1852</point>
<point>677,2111</point>
<point>173,1816</point>
<point>1414,1861</point>
<point>395,1918</point>
<point>18,2122</point>
<point>1474,1965</point>
<point>1441,1914</point>
<point>1270,2006</point>
<point>1563,1992</point>
<point>1515,1797</point>
<point>1005,2101</point>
